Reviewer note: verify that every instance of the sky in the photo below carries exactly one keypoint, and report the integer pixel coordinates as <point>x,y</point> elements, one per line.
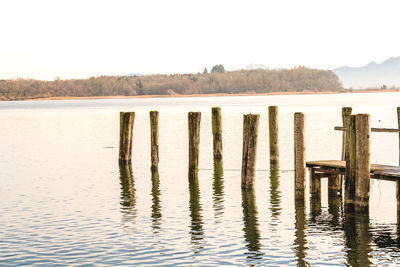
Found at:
<point>45,39</point>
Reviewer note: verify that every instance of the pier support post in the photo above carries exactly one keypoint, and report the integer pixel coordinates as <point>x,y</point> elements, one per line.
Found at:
<point>249,155</point>
<point>315,184</point>
<point>217,132</point>
<point>335,182</point>
<point>362,162</point>
<point>398,122</point>
<point>397,181</point>
<point>273,137</point>
<point>154,140</point>
<point>350,156</point>
<point>126,120</point>
<point>346,114</point>
<point>194,141</point>
<point>299,155</point>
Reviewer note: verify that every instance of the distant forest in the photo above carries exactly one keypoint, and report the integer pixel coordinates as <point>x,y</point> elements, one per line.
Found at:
<point>299,79</point>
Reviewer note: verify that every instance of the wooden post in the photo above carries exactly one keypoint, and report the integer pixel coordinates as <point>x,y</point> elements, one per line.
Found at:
<point>126,120</point>
<point>397,181</point>
<point>217,132</point>
<point>194,140</point>
<point>362,162</point>
<point>250,134</point>
<point>299,155</point>
<point>350,177</point>
<point>398,200</point>
<point>346,113</point>
<point>335,182</point>
<point>154,140</point>
<point>273,137</point>
<point>315,184</point>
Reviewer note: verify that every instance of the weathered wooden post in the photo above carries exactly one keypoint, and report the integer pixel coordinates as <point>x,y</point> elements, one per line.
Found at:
<point>346,113</point>
<point>154,140</point>
<point>362,162</point>
<point>397,181</point>
<point>273,137</point>
<point>335,182</point>
<point>194,140</point>
<point>249,155</point>
<point>217,132</point>
<point>398,122</point>
<point>350,156</point>
<point>299,155</point>
<point>126,120</point>
<point>315,184</point>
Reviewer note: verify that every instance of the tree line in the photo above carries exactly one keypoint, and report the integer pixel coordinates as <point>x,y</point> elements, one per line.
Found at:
<point>297,79</point>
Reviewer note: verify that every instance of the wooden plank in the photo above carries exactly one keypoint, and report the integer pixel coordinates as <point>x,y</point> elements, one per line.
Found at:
<point>385,130</point>
<point>378,171</point>
<point>340,128</point>
<point>376,130</point>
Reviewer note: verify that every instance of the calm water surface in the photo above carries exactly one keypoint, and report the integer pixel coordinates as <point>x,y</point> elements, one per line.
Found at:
<point>64,199</point>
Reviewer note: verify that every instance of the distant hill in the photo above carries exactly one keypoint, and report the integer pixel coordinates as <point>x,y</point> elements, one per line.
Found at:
<point>372,75</point>
<point>255,67</point>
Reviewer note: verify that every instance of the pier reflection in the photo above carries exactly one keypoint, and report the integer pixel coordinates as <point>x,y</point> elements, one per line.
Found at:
<point>156,203</point>
<point>128,200</point>
<point>218,190</point>
<point>358,240</point>
<point>127,186</point>
<point>300,240</point>
<point>250,220</point>
<point>196,226</point>
<point>275,194</point>
<point>315,208</point>
<point>335,209</point>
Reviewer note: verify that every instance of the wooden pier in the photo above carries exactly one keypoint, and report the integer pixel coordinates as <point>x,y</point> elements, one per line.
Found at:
<point>354,170</point>
<point>329,168</point>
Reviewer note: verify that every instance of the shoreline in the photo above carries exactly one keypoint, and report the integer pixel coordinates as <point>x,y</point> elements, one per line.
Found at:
<point>207,95</point>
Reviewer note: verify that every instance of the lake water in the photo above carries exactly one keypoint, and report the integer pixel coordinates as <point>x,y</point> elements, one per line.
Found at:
<point>64,199</point>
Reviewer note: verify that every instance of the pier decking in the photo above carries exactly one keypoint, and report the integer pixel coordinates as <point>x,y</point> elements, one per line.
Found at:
<point>326,168</point>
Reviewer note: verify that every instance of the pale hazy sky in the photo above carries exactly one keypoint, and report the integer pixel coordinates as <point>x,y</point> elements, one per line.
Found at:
<point>43,39</point>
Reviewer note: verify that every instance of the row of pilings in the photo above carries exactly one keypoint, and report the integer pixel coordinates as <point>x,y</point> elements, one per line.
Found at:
<point>355,151</point>
<point>250,139</point>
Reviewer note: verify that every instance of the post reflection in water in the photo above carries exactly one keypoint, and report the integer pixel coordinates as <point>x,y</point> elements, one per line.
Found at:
<point>196,227</point>
<point>251,232</point>
<point>335,208</point>
<point>156,205</point>
<point>275,198</point>
<point>315,208</point>
<point>218,187</point>
<point>300,240</point>
<point>128,200</point>
<point>357,239</point>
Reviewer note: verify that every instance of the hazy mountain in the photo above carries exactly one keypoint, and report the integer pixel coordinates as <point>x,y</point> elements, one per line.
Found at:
<point>372,75</point>
<point>255,67</point>
<point>134,74</point>
<point>250,66</point>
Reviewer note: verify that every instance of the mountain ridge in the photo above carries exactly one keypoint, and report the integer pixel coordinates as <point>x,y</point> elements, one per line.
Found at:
<point>373,75</point>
